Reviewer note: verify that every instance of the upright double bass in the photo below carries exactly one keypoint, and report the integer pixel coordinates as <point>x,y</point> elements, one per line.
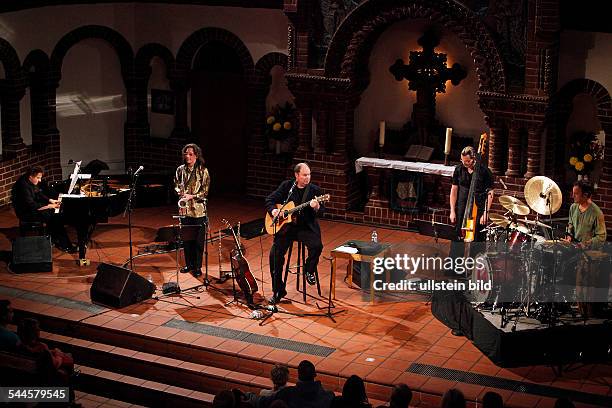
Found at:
<point>470,215</point>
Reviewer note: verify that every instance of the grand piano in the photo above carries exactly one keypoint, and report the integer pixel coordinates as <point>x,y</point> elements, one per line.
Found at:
<point>90,201</point>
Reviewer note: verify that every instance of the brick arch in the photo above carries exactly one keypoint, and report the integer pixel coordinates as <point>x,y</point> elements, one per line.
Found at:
<point>265,64</point>
<point>147,52</point>
<point>603,103</point>
<point>116,40</point>
<point>190,47</point>
<point>10,61</point>
<point>352,43</point>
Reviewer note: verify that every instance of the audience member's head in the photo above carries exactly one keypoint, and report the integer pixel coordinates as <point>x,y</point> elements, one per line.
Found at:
<point>224,399</point>
<point>400,396</point>
<point>279,375</point>
<point>6,312</point>
<point>453,398</point>
<point>278,404</point>
<point>492,400</point>
<point>306,371</point>
<point>564,402</point>
<point>354,391</point>
<point>28,331</point>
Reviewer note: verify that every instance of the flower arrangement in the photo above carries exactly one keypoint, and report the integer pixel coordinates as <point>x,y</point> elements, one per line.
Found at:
<point>585,151</point>
<point>280,122</point>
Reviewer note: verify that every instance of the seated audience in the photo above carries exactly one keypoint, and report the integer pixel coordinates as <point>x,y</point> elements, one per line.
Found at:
<point>230,399</point>
<point>306,393</point>
<point>29,333</point>
<point>279,376</point>
<point>9,341</point>
<point>353,394</point>
<point>400,397</point>
<point>492,400</point>
<point>453,398</point>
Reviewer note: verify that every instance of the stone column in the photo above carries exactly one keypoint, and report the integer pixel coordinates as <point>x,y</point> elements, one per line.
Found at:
<point>534,151</point>
<point>514,151</point>
<point>496,148</point>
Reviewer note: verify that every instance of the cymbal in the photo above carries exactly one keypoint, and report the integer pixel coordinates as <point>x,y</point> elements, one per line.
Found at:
<point>499,220</point>
<point>538,223</point>
<point>514,205</point>
<point>543,195</point>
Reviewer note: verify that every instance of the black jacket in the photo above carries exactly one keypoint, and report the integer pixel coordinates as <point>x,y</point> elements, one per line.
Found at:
<point>307,217</point>
<point>27,198</point>
<point>305,394</point>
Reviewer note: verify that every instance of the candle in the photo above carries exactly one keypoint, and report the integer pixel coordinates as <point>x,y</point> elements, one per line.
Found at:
<point>447,145</point>
<point>381,133</point>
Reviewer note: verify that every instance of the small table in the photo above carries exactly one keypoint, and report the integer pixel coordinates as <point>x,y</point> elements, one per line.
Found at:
<point>338,253</point>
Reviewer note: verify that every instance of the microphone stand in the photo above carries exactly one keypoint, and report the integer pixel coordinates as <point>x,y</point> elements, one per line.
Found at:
<point>128,209</point>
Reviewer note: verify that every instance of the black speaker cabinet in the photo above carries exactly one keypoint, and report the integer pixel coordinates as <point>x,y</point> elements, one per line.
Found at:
<point>32,254</point>
<point>118,287</point>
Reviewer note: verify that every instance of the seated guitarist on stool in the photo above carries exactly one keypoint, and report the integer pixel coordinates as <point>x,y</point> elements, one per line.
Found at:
<point>305,230</point>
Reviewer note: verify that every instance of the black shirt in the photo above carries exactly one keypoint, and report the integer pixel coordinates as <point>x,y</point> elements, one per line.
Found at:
<point>27,198</point>
<point>463,179</point>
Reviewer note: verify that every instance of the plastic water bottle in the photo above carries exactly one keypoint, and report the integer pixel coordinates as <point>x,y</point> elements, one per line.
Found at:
<point>374,236</point>
<point>256,314</point>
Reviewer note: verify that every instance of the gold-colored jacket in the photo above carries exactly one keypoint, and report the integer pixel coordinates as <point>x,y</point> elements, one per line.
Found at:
<point>198,186</point>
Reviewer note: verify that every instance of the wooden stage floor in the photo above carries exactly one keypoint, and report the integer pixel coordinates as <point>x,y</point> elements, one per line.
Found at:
<point>385,342</point>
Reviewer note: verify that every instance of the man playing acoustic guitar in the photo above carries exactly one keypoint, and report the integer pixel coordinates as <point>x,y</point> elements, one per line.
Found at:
<point>305,229</point>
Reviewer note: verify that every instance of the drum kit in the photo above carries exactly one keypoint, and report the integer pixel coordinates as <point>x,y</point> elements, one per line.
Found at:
<point>522,259</point>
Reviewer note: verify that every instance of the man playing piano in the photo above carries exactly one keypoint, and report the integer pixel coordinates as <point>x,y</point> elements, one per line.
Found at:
<point>32,205</point>
<point>191,183</point>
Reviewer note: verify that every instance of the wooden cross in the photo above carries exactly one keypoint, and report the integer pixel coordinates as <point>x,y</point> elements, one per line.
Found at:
<point>427,74</point>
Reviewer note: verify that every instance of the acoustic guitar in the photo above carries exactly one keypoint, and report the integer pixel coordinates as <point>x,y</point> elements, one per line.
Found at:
<point>241,269</point>
<point>273,226</point>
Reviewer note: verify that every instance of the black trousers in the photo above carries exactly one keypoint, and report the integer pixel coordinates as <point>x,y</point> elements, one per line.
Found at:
<point>194,248</point>
<point>55,225</point>
<point>282,240</point>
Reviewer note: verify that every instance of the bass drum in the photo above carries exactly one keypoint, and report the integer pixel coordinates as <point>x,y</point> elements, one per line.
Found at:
<point>496,278</point>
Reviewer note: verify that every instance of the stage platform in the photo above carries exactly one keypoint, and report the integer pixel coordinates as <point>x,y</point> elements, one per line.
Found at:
<point>195,344</point>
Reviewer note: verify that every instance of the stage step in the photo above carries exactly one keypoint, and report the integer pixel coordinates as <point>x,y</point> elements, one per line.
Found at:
<point>222,368</point>
<point>151,367</point>
<point>87,400</point>
<point>133,390</point>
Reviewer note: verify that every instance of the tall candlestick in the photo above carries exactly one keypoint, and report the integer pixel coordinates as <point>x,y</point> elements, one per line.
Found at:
<point>381,133</point>
<point>447,145</point>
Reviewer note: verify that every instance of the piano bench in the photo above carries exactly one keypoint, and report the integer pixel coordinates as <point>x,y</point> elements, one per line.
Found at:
<point>31,228</point>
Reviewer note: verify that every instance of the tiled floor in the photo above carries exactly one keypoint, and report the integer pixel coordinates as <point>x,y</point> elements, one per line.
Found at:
<point>376,341</point>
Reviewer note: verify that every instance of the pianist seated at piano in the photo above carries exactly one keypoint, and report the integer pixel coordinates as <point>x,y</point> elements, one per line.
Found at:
<point>32,205</point>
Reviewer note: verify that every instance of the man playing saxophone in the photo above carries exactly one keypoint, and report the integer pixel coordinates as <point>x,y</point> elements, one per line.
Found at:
<point>191,182</point>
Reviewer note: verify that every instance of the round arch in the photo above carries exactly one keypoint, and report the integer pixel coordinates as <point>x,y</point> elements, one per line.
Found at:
<point>354,40</point>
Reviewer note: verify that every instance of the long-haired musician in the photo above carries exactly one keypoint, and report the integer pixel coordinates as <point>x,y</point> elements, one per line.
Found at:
<point>191,182</point>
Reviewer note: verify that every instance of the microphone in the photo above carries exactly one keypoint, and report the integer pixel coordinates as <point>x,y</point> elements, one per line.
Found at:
<point>291,189</point>
<point>141,168</point>
<point>503,184</point>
